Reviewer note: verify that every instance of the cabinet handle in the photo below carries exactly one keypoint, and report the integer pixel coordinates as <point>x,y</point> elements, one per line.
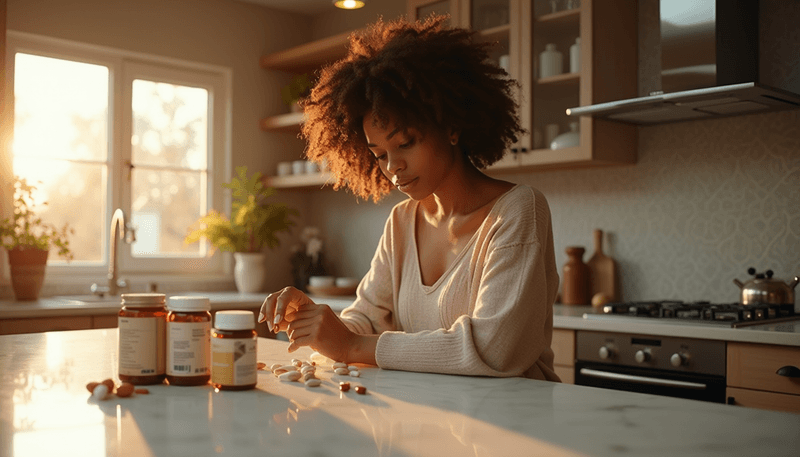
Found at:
<point>789,371</point>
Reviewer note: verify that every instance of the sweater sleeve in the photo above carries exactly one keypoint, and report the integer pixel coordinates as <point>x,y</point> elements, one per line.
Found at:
<point>509,329</point>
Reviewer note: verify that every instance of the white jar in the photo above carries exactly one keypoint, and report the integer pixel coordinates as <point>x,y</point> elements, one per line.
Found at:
<point>299,167</point>
<point>575,56</point>
<point>284,168</point>
<point>550,62</point>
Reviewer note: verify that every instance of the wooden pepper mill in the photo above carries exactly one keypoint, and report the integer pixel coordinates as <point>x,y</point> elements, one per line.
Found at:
<point>576,278</point>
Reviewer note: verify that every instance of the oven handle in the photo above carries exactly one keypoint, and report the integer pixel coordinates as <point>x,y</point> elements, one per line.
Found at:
<point>641,379</point>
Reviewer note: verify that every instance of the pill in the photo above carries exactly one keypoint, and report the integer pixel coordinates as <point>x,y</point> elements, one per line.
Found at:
<point>100,392</point>
<point>339,365</point>
<point>313,382</point>
<point>125,390</point>
<point>279,371</point>
<point>308,369</point>
<point>352,367</point>
<point>90,387</point>
<point>306,364</point>
<point>275,366</point>
<point>344,386</point>
<point>289,368</point>
<point>290,376</point>
<point>297,362</point>
<point>109,383</point>
<point>142,391</point>
<point>361,390</point>
<point>261,366</point>
<point>308,376</point>
<point>341,371</point>
<point>355,373</point>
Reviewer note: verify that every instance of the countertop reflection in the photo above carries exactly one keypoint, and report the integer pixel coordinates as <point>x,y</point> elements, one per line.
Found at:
<point>46,410</point>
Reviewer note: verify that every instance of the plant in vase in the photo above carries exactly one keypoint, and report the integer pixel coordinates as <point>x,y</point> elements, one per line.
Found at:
<point>28,240</point>
<point>254,224</point>
<point>297,89</point>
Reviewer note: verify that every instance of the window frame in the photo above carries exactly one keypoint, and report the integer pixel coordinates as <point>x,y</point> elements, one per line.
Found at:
<point>124,66</point>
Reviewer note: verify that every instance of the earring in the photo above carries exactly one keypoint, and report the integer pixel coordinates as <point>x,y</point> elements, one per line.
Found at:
<point>454,141</point>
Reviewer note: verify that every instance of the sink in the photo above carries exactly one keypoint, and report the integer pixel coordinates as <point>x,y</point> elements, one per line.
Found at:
<point>78,300</point>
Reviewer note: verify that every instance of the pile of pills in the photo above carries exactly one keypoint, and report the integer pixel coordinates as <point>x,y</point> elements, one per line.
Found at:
<point>102,390</point>
<point>305,371</point>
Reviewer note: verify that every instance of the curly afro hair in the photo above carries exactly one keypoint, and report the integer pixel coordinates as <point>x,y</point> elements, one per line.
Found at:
<point>422,75</point>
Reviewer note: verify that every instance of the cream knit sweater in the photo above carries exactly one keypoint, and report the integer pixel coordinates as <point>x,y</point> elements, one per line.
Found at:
<point>491,312</point>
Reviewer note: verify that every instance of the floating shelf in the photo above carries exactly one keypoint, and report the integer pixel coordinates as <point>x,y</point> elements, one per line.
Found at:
<point>563,79</point>
<point>283,122</point>
<point>307,57</point>
<point>316,180</point>
<point>499,33</point>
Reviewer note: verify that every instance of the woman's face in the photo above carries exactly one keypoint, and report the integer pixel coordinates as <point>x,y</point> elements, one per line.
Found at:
<point>415,164</point>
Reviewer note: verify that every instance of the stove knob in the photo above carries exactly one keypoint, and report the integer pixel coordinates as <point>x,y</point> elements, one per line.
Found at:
<point>678,359</point>
<point>606,352</point>
<point>642,355</point>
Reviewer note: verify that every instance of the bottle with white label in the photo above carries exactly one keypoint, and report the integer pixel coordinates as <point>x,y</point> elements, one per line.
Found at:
<point>142,334</point>
<point>188,341</point>
<point>233,351</point>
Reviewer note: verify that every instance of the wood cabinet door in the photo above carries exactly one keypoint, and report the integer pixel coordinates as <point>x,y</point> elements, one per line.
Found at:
<point>763,400</point>
<point>755,366</point>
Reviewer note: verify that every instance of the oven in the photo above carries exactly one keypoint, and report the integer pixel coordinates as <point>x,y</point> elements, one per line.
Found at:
<point>660,365</point>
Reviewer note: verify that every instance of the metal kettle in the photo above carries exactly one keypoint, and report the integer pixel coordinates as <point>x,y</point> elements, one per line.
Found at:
<point>763,289</point>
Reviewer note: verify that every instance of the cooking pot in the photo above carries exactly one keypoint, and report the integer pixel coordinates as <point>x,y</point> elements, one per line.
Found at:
<point>763,289</point>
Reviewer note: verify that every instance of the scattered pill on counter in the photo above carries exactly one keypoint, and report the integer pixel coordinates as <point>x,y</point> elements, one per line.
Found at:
<point>109,383</point>
<point>341,371</point>
<point>261,366</point>
<point>290,376</point>
<point>344,386</point>
<point>100,392</point>
<point>90,387</point>
<point>354,373</point>
<point>339,365</point>
<point>313,382</point>
<point>361,390</point>
<point>125,389</point>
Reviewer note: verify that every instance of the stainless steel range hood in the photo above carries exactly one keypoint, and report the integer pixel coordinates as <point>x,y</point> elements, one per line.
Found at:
<point>709,67</point>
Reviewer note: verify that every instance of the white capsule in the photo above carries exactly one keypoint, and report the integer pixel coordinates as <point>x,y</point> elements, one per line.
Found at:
<point>355,373</point>
<point>297,362</point>
<point>289,368</point>
<point>308,369</point>
<point>100,392</point>
<point>290,376</point>
<point>341,370</point>
<point>313,382</point>
<point>339,365</point>
<point>352,367</point>
<point>308,376</point>
<point>275,366</point>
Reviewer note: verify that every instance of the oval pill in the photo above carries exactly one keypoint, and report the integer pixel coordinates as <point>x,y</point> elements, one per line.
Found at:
<point>290,376</point>
<point>308,369</point>
<point>355,373</point>
<point>339,365</point>
<point>341,371</point>
<point>313,382</point>
<point>344,386</point>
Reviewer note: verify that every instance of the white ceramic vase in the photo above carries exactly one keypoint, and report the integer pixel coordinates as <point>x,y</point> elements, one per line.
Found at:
<point>249,271</point>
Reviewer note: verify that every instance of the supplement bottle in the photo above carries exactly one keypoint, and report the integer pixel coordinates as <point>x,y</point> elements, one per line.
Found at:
<point>188,341</point>
<point>142,336</point>
<point>233,351</point>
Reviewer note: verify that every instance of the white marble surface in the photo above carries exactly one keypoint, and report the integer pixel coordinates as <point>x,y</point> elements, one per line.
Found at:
<point>46,410</point>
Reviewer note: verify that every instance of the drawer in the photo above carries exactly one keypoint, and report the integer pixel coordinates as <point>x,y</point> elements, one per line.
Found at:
<point>763,400</point>
<point>754,366</point>
<point>563,347</point>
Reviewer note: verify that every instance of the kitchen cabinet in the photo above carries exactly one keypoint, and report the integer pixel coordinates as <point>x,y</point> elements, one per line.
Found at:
<point>44,324</point>
<point>564,349</point>
<point>752,377</point>
<point>522,29</point>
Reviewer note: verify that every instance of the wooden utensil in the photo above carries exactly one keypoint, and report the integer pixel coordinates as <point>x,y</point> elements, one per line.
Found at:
<point>602,270</point>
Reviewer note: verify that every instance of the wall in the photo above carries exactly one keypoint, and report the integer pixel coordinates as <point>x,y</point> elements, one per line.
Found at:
<point>339,21</point>
<point>220,32</point>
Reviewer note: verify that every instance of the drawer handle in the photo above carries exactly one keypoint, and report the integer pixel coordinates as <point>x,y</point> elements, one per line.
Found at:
<point>789,371</point>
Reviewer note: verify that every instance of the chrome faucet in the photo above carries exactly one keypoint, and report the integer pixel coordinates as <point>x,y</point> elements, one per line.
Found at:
<point>126,233</point>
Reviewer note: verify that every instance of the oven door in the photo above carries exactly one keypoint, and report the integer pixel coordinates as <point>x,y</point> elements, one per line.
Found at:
<point>651,381</point>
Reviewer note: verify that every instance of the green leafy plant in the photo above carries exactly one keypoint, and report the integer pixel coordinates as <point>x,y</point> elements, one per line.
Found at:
<point>254,223</point>
<point>26,230</point>
<point>299,87</point>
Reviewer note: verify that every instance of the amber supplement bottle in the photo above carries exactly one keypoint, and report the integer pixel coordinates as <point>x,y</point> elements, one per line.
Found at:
<point>142,334</point>
<point>233,351</point>
<point>576,278</point>
<point>188,341</point>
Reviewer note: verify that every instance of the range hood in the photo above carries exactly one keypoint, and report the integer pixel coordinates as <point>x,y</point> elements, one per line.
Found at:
<point>709,67</point>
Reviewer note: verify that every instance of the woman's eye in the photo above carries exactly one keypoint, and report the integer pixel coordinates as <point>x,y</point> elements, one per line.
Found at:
<point>380,157</point>
<point>407,144</point>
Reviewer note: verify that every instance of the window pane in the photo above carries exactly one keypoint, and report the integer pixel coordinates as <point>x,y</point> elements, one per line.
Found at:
<point>170,125</point>
<point>75,195</point>
<point>165,204</point>
<point>61,109</point>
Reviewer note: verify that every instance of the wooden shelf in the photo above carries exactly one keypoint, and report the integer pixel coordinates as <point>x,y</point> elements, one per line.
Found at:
<point>307,57</point>
<point>499,33</point>
<point>560,17</point>
<point>564,79</point>
<point>315,180</point>
<point>289,122</point>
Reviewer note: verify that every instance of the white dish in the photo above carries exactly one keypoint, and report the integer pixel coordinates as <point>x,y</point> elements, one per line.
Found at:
<point>566,140</point>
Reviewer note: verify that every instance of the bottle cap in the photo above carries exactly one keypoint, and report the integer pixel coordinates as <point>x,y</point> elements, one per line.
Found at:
<point>143,300</point>
<point>234,320</point>
<point>185,303</point>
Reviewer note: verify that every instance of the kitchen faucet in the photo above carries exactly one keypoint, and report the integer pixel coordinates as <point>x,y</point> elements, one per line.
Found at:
<point>127,233</point>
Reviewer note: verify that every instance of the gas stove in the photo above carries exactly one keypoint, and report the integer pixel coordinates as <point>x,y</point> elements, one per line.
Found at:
<point>699,313</point>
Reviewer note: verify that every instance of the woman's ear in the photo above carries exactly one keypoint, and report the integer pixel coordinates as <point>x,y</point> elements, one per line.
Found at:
<point>454,135</point>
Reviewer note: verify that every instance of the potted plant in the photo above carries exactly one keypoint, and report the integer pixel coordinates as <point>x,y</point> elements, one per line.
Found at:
<point>254,224</point>
<point>298,88</point>
<point>28,239</point>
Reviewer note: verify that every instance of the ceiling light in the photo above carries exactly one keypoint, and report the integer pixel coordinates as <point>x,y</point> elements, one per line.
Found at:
<point>348,4</point>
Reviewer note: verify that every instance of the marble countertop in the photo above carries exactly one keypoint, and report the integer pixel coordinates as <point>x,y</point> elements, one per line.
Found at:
<point>46,410</point>
<point>565,317</point>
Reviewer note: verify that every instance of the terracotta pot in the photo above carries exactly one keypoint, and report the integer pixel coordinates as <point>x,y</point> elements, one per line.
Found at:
<point>27,272</point>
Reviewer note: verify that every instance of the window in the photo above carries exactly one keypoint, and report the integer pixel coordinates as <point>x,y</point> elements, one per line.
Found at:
<point>102,129</point>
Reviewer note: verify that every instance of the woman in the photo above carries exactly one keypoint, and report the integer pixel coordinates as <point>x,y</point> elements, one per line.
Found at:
<point>464,277</point>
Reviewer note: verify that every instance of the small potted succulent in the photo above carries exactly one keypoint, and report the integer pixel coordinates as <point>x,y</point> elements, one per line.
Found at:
<point>253,225</point>
<point>28,240</point>
<point>297,89</point>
